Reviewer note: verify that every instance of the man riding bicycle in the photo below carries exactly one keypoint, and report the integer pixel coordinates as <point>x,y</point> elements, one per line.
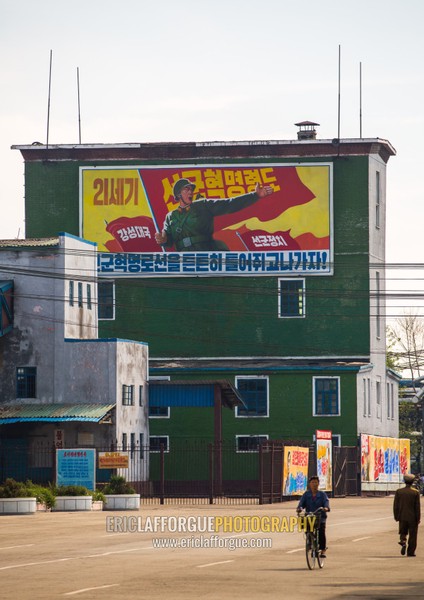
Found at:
<point>311,501</point>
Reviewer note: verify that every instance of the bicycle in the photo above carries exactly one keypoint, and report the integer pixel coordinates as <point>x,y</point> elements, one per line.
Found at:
<point>313,553</point>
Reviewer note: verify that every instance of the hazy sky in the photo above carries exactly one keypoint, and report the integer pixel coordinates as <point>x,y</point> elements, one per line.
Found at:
<point>186,70</point>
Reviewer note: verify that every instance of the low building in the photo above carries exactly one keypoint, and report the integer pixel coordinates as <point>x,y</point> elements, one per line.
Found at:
<point>60,385</point>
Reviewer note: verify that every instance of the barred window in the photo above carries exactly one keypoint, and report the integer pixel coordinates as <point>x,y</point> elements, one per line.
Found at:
<point>26,379</point>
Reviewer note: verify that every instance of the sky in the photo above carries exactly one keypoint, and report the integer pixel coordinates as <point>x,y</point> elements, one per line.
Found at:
<point>224,70</point>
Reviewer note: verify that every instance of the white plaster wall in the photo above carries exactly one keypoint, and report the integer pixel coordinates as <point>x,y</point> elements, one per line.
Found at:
<point>378,420</point>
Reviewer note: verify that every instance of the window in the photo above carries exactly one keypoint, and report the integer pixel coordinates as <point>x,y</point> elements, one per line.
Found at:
<point>249,443</point>
<point>141,441</point>
<point>378,399</point>
<point>156,441</point>
<point>336,439</point>
<point>254,392</point>
<point>326,396</point>
<point>106,299</point>
<point>89,296</point>
<point>140,395</point>
<point>124,441</point>
<point>127,395</point>
<point>377,199</point>
<point>369,396</point>
<point>80,294</point>
<point>378,307</point>
<point>390,401</point>
<point>159,412</point>
<point>71,293</point>
<point>26,378</point>
<point>291,298</point>
<point>365,396</point>
<point>132,444</point>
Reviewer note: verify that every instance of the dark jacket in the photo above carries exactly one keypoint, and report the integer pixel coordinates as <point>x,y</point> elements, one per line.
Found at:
<point>406,505</point>
<point>311,503</point>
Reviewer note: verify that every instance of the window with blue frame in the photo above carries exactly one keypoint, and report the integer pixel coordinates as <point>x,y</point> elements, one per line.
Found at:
<point>254,392</point>
<point>89,296</point>
<point>71,293</point>
<point>291,298</point>
<point>80,294</point>
<point>326,396</point>
<point>26,379</point>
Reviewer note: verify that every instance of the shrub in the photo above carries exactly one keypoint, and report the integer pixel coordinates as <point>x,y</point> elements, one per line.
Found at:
<point>45,495</point>
<point>72,490</point>
<point>14,489</point>
<point>98,495</point>
<point>118,485</point>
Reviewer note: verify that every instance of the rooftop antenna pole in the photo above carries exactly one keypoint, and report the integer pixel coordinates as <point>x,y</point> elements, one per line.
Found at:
<point>360,100</point>
<point>48,100</point>
<point>338,105</point>
<point>79,108</point>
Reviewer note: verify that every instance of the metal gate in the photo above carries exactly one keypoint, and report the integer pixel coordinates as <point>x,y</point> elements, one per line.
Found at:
<point>345,471</point>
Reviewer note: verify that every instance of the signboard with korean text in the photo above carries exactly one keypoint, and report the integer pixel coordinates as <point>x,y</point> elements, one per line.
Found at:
<point>384,459</point>
<point>295,470</point>
<point>76,466</point>
<point>225,225</point>
<point>113,460</point>
<point>324,459</point>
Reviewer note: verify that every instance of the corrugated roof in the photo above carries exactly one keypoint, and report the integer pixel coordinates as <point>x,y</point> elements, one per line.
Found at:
<point>192,393</point>
<point>30,243</point>
<point>25,413</point>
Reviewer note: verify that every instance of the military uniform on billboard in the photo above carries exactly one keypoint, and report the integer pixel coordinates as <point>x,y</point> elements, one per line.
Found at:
<point>192,228</point>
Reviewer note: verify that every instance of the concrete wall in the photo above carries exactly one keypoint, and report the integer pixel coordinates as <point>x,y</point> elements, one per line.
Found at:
<point>42,314</point>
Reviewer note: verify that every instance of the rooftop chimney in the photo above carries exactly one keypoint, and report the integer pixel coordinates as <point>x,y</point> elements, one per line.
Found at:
<point>307,130</point>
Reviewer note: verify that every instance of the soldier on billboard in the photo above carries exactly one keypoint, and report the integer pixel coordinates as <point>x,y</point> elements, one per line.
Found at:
<point>191,227</point>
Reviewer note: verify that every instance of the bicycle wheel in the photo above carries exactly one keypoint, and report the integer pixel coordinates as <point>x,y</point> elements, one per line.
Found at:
<point>320,559</point>
<point>311,551</point>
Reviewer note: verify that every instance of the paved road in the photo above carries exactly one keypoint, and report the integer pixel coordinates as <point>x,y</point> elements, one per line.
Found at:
<point>72,555</point>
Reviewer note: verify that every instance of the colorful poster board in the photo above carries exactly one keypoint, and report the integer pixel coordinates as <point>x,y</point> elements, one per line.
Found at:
<point>324,460</point>
<point>384,459</point>
<point>295,470</point>
<point>76,466</point>
<point>287,232</point>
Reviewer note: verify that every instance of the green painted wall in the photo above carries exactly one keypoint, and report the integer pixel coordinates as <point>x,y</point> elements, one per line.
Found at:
<point>229,316</point>
<point>290,409</point>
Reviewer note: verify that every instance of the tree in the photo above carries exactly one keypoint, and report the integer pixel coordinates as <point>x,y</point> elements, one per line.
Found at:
<point>406,345</point>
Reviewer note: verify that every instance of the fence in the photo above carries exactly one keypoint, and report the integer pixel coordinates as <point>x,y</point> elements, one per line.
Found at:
<point>202,472</point>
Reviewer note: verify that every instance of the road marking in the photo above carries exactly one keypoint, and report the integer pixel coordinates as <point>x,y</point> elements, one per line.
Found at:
<point>222,562</point>
<point>368,537</point>
<point>21,546</point>
<point>293,551</point>
<point>57,560</point>
<point>361,521</point>
<point>100,587</point>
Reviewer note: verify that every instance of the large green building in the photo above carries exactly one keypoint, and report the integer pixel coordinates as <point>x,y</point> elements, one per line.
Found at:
<point>287,305</point>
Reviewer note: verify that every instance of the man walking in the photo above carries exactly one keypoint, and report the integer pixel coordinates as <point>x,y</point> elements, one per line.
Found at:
<point>407,512</point>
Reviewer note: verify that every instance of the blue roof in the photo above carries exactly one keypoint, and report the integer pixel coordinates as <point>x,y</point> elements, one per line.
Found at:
<point>53,413</point>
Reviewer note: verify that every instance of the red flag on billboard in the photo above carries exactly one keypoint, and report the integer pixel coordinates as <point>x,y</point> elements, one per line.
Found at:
<point>134,234</point>
<point>264,240</point>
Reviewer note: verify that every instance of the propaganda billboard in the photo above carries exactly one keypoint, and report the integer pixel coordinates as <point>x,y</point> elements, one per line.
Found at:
<point>233,219</point>
<point>324,459</point>
<point>295,470</point>
<point>384,459</point>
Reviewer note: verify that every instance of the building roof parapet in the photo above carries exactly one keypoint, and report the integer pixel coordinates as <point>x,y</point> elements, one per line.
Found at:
<point>209,150</point>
